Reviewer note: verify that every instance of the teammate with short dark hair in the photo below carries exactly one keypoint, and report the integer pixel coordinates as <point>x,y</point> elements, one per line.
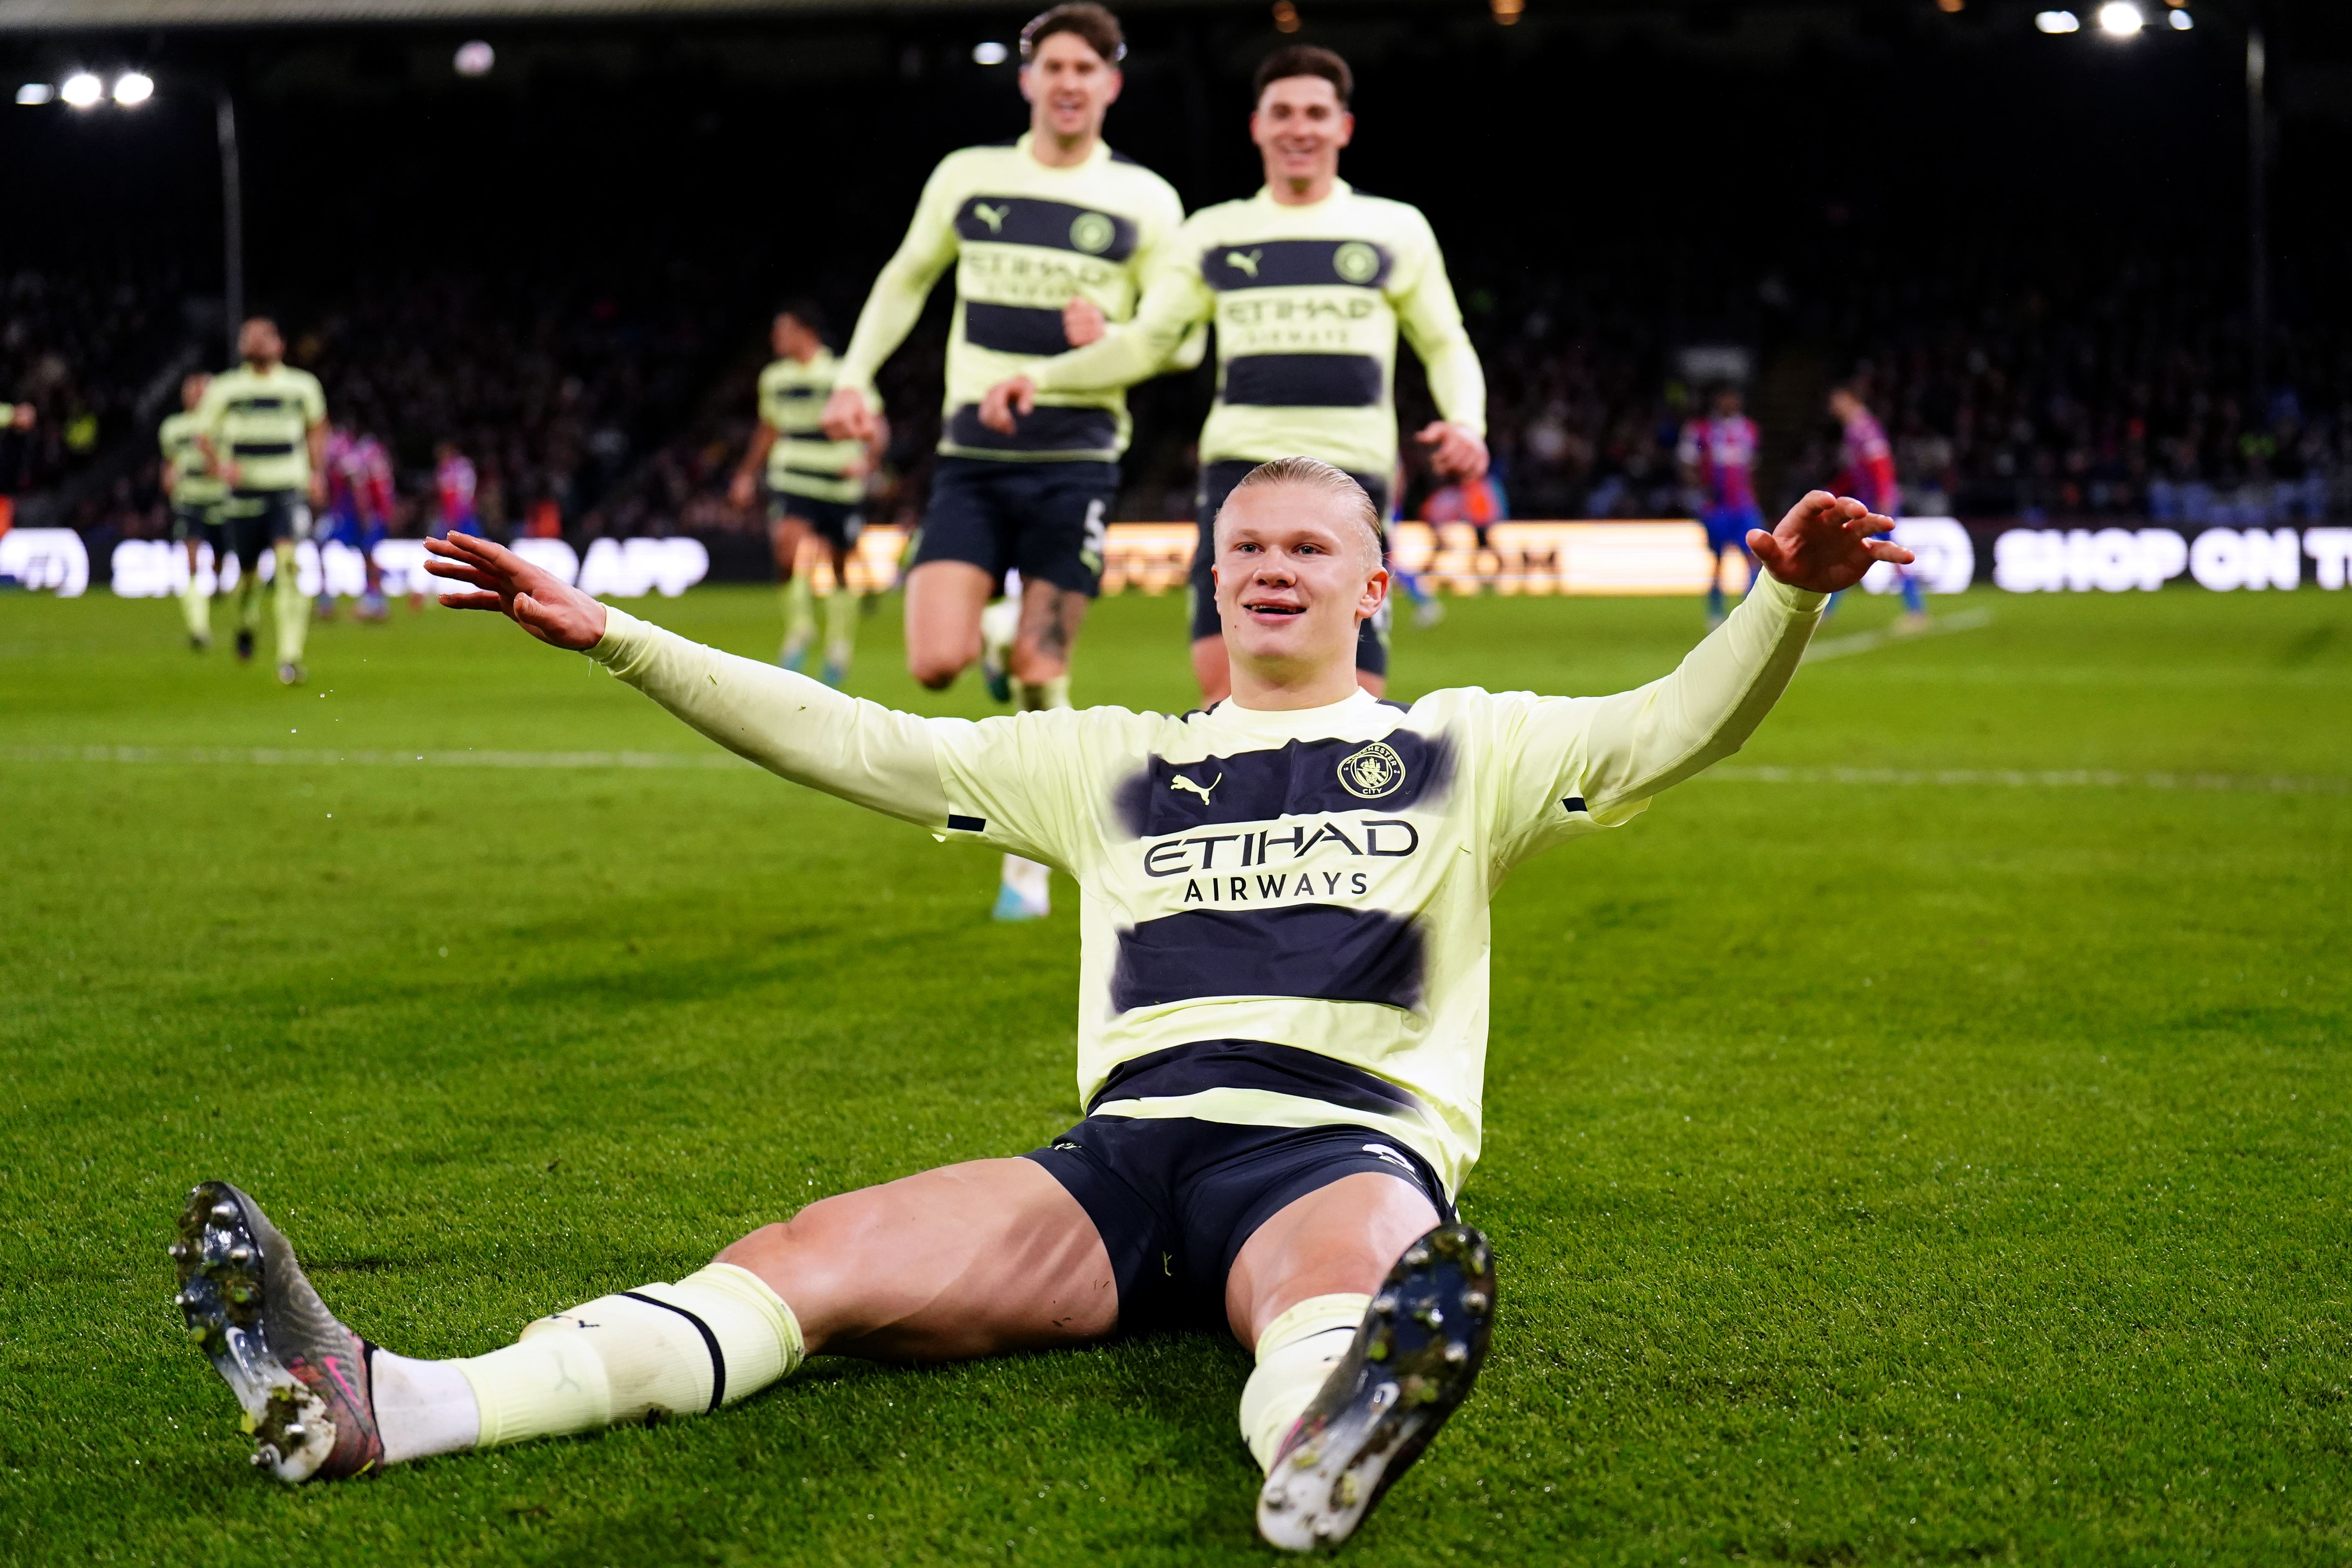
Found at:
<point>815,485</point>
<point>1718,455</point>
<point>1308,283</point>
<point>1055,222</point>
<point>195,494</point>
<point>263,429</point>
<point>1281,1028</point>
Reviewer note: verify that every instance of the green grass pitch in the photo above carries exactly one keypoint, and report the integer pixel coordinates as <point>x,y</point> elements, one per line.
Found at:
<point>1880,1170</point>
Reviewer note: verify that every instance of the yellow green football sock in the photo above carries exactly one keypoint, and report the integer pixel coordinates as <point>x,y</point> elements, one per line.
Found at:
<point>1036,694</point>
<point>1294,1358</point>
<point>800,615</point>
<point>249,598</point>
<point>293,606</point>
<point>840,627</point>
<point>712,1338</point>
<point>196,608</point>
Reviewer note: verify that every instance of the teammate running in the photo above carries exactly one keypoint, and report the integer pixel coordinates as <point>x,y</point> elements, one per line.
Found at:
<point>263,429</point>
<point>814,486</point>
<point>1718,455</point>
<point>1866,472</point>
<point>1308,283</point>
<point>1055,217</point>
<point>1281,1028</point>
<point>195,493</point>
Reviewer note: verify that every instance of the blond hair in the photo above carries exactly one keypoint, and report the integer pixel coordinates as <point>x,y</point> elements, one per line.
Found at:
<point>1312,473</point>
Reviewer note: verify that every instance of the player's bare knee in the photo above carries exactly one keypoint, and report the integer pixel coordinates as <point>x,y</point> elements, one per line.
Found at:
<point>933,673</point>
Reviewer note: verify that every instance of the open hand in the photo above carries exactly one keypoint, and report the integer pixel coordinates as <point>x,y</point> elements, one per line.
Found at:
<point>1455,451</point>
<point>1083,322</point>
<point>848,417</point>
<point>1824,543</point>
<point>536,600</point>
<point>1015,395</point>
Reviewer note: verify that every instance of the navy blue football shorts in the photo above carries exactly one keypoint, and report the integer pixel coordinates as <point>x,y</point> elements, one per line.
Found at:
<point>1175,1199</point>
<point>1047,521</point>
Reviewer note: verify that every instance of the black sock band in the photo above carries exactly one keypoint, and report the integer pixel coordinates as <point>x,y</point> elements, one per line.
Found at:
<point>709,1342</point>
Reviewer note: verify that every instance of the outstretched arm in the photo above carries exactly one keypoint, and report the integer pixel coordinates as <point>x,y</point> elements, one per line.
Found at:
<point>1606,757</point>
<point>892,309</point>
<point>794,727</point>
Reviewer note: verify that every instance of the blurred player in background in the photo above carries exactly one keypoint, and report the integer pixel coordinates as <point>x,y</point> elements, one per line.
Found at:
<point>1866,472</point>
<point>1480,503</point>
<point>454,483</point>
<point>368,475</point>
<point>263,428</point>
<point>1309,284</point>
<point>359,499</point>
<point>1717,454</point>
<point>1055,217</point>
<point>195,493</point>
<point>815,486</point>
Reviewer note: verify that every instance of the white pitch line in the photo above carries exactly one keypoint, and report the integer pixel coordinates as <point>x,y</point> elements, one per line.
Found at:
<point>2024,778</point>
<point>202,756</point>
<point>1950,778</point>
<point>1863,642</point>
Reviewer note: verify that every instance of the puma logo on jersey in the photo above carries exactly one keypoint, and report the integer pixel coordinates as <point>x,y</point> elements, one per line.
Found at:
<point>1180,782</point>
<point>992,217</point>
<point>1243,260</point>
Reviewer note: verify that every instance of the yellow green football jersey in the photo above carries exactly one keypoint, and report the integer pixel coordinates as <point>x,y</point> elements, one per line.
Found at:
<point>1023,238</point>
<point>260,422</point>
<point>1285,919</point>
<point>1307,302</point>
<point>193,483</point>
<point>802,462</point>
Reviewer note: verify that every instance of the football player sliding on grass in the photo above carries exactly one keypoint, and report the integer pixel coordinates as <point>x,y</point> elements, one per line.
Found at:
<point>1282,1028</point>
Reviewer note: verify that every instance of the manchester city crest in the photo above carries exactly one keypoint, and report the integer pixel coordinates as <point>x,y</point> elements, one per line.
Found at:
<point>1092,233</point>
<point>1356,262</point>
<point>1373,773</point>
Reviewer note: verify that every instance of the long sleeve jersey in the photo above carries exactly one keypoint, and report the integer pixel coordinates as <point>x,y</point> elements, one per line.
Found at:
<point>1284,918</point>
<point>1307,302</point>
<point>194,484</point>
<point>1024,237</point>
<point>259,421</point>
<point>802,461</point>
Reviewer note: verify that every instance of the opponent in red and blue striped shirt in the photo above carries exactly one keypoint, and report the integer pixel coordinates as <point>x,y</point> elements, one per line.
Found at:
<point>1866,472</point>
<point>1718,459</point>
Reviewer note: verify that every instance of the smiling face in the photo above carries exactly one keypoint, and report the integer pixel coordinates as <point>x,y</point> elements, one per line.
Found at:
<point>1069,88</point>
<point>1297,569</point>
<point>1299,126</point>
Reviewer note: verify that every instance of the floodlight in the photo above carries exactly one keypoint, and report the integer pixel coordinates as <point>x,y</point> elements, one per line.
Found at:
<point>990,53</point>
<point>2120,20</point>
<point>82,89</point>
<point>476,58</point>
<point>2182,21</point>
<point>36,93</point>
<point>2055,21</point>
<point>133,87</point>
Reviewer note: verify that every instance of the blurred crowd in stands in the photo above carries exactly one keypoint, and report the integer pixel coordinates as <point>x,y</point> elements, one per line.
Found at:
<point>2026,384</point>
